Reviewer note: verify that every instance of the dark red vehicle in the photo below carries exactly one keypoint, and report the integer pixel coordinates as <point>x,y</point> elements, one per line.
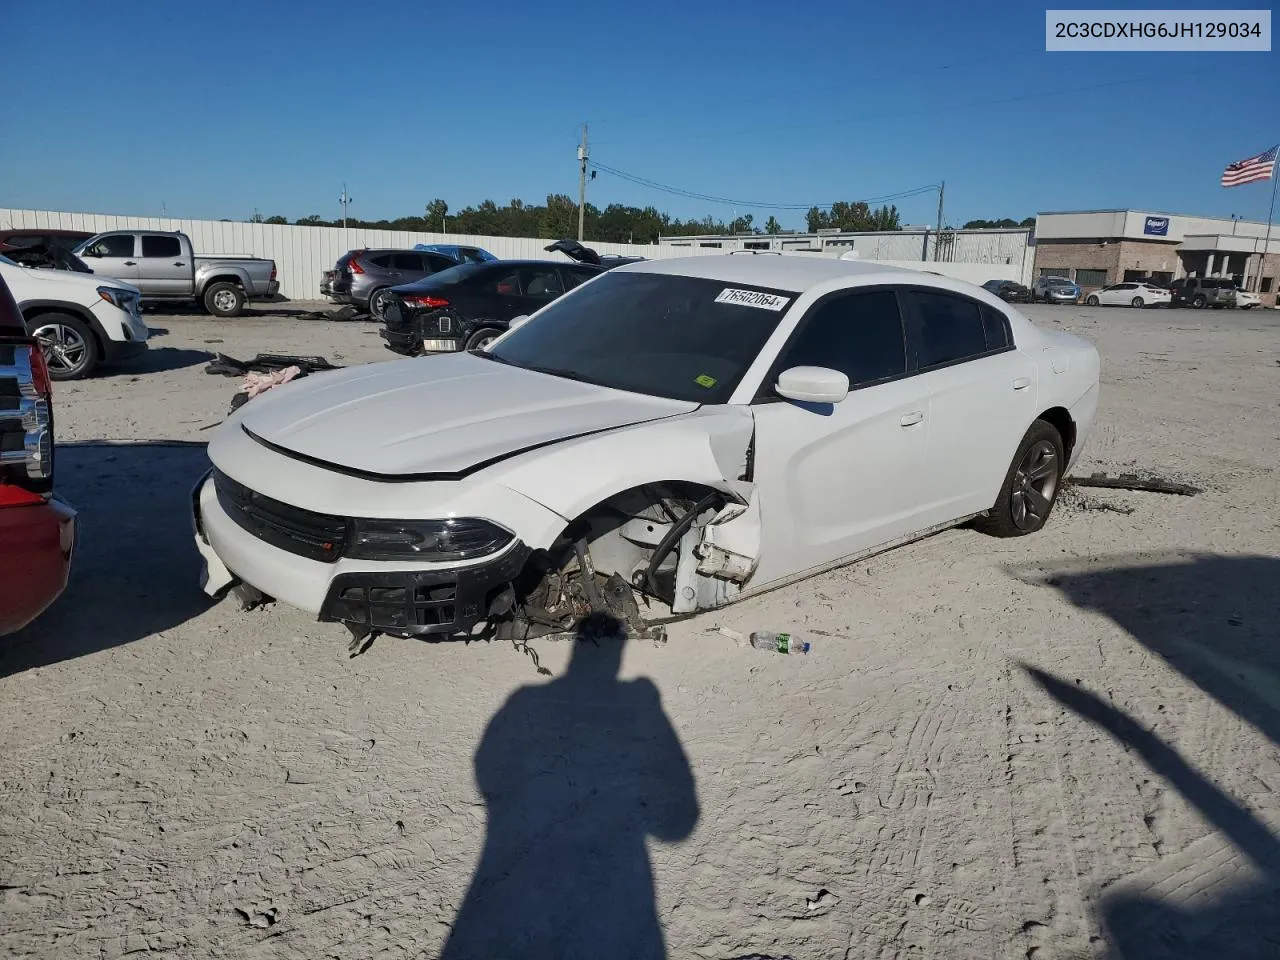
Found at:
<point>37,531</point>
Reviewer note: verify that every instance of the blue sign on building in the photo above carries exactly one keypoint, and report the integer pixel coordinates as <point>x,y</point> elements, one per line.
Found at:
<point>1156,226</point>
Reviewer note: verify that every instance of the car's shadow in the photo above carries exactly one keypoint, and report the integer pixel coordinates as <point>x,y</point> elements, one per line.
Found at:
<point>157,360</point>
<point>1212,618</point>
<point>135,568</point>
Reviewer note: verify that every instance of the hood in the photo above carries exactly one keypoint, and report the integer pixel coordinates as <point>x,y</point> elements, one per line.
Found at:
<point>431,416</point>
<point>88,282</point>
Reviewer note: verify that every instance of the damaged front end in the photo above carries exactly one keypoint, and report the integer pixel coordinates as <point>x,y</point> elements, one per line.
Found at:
<point>643,557</point>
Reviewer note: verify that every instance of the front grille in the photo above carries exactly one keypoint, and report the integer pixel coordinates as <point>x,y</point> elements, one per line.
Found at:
<point>404,605</point>
<point>316,536</point>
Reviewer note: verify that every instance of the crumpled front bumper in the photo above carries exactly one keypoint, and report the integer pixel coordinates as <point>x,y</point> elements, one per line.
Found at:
<point>397,598</point>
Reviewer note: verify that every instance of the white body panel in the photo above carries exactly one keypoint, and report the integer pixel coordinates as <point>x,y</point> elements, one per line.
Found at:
<point>32,286</point>
<point>807,484</point>
<point>1123,295</point>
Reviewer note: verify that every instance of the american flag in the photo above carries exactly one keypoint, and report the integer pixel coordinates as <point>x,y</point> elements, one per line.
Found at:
<point>1261,167</point>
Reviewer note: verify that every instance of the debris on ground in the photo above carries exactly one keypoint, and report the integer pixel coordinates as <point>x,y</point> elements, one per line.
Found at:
<point>1132,481</point>
<point>264,371</point>
<point>256,383</point>
<point>779,642</point>
<point>1073,499</point>
<point>340,315</point>
<point>228,366</point>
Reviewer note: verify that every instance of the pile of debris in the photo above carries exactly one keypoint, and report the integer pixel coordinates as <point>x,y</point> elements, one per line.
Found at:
<point>264,371</point>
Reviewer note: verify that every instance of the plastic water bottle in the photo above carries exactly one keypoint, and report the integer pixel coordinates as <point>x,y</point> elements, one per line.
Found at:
<point>779,642</point>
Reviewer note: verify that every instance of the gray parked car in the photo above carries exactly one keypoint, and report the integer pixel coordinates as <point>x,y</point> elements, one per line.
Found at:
<point>1055,290</point>
<point>363,278</point>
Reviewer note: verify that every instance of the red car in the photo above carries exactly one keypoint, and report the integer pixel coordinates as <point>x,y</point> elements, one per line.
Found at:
<point>37,531</point>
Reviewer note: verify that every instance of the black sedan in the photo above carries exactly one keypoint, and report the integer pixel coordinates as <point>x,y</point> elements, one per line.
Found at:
<point>465,307</point>
<point>1009,291</point>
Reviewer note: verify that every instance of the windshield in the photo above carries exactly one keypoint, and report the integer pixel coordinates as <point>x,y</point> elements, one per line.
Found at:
<point>684,338</point>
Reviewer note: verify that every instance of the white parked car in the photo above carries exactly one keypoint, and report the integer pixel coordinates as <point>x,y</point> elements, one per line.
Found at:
<point>1246,300</point>
<point>1129,295</point>
<point>80,319</point>
<point>687,432</point>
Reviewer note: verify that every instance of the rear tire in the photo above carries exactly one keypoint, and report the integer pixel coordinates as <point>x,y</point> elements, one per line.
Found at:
<point>70,349</point>
<point>223,299</point>
<point>482,338</point>
<point>1137,302</point>
<point>1031,486</point>
<point>378,303</point>
<point>1091,301</point>
<point>1197,303</point>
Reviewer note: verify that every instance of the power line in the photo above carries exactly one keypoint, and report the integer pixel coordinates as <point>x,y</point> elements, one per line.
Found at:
<point>760,205</point>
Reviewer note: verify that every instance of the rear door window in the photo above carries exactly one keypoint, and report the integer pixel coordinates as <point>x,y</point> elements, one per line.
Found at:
<point>382,260</point>
<point>541,283</point>
<point>158,246</point>
<point>950,328</point>
<point>407,261</point>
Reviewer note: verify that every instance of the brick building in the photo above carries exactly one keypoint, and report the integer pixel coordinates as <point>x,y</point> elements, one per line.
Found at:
<point>1100,247</point>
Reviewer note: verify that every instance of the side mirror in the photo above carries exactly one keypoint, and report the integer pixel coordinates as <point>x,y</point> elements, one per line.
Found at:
<point>813,385</point>
<point>519,321</point>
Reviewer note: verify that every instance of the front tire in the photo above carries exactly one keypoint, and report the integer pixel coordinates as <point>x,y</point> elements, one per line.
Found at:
<point>224,299</point>
<point>1031,486</point>
<point>1137,302</point>
<point>1091,301</point>
<point>70,349</point>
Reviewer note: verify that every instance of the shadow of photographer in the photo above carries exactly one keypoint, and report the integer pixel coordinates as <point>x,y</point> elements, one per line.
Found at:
<point>576,775</point>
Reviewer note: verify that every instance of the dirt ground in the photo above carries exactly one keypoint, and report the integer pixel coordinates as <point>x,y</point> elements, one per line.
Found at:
<point>1058,746</point>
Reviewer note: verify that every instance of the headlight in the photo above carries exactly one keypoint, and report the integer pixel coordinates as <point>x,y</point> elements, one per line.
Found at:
<point>117,297</point>
<point>432,540</point>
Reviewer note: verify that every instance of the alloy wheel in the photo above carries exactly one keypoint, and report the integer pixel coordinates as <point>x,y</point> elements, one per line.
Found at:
<point>224,301</point>
<point>63,347</point>
<point>1034,484</point>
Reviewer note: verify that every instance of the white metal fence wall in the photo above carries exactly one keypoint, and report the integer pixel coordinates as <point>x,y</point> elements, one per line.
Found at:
<point>303,253</point>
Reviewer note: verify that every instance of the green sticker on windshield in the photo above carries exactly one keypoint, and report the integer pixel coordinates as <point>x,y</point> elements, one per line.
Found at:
<point>705,381</point>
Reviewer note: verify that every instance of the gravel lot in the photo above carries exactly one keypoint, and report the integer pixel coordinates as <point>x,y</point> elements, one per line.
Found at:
<point>1060,746</point>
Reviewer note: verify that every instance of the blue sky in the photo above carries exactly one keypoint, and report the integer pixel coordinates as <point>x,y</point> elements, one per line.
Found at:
<point>214,111</point>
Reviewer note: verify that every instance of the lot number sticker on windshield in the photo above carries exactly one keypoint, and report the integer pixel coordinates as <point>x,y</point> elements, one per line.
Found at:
<point>751,298</point>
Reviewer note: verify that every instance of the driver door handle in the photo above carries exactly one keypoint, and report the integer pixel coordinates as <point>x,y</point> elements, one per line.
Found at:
<point>1021,383</point>
<point>179,264</point>
<point>911,419</point>
<point>130,263</point>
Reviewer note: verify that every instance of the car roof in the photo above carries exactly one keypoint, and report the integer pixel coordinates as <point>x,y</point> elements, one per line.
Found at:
<point>793,273</point>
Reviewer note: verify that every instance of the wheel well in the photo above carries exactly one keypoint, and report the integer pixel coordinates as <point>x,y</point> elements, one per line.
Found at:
<point>1060,419</point>
<point>30,313</point>
<point>230,278</point>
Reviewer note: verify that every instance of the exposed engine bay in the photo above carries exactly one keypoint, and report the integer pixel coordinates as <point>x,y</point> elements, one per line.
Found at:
<point>644,557</point>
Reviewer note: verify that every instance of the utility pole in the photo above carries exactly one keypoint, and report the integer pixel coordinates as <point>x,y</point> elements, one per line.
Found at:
<point>937,243</point>
<point>582,180</point>
<point>345,200</point>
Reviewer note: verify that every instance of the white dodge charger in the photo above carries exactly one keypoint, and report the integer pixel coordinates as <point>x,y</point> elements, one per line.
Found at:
<point>668,437</point>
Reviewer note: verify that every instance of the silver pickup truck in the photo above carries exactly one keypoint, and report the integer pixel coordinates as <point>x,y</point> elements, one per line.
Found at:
<point>164,267</point>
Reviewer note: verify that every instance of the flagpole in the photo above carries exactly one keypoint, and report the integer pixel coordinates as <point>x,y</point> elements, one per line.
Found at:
<point>1266,244</point>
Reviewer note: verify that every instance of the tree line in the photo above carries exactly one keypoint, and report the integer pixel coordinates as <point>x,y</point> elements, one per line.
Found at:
<point>616,223</point>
